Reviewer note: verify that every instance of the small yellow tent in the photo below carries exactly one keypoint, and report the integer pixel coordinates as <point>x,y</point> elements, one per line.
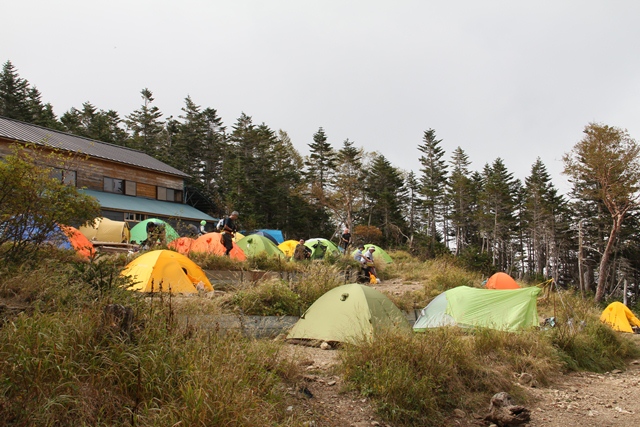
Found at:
<point>106,230</point>
<point>164,270</point>
<point>288,247</point>
<point>619,317</point>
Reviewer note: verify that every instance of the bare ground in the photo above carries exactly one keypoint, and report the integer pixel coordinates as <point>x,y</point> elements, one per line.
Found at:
<point>574,400</point>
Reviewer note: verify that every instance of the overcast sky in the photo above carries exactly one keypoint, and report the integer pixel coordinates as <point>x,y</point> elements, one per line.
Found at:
<point>511,79</point>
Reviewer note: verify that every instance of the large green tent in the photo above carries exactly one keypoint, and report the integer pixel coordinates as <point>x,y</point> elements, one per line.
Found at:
<point>139,231</point>
<point>321,247</point>
<point>255,244</point>
<point>379,253</point>
<point>347,313</point>
<point>508,310</point>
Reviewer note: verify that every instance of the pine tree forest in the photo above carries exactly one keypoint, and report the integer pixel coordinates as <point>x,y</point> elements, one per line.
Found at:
<point>486,219</point>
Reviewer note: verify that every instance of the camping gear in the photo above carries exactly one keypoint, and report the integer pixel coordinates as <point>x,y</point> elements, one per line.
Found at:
<point>501,280</point>
<point>321,247</point>
<point>288,247</point>
<point>264,234</point>
<point>347,313</point>
<point>210,243</point>
<point>165,270</point>
<point>619,317</point>
<point>254,244</point>
<point>77,241</point>
<point>508,310</point>
<point>139,231</point>
<point>106,230</point>
<point>181,245</point>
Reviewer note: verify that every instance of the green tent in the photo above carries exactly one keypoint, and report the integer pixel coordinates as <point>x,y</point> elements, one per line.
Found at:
<point>379,253</point>
<point>139,231</point>
<point>255,244</point>
<point>320,247</point>
<point>346,313</point>
<point>508,310</point>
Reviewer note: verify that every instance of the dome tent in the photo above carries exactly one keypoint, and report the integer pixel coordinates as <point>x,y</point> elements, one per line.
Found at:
<point>619,317</point>
<point>346,313</point>
<point>139,231</point>
<point>508,310</point>
<point>254,244</point>
<point>321,247</point>
<point>210,243</point>
<point>164,270</point>
<point>501,280</point>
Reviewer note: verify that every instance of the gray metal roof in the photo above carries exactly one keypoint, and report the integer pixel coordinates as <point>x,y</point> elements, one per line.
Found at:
<point>25,132</point>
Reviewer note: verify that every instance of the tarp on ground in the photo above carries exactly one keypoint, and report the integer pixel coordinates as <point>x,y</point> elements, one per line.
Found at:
<point>378,253</point>
<point>106,230</point>
<point>288,247</point>
<point>165,270</point>
<point>619,317</point>
<point>508,310</point>
<point>321,247</point>
<point>139,231</point>
<point>254,244</point>
<point>210,244</point>
<point>347,313</point>
<point>501,280</point>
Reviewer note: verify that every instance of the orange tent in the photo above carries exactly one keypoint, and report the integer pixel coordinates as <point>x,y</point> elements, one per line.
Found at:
<point>78,241</point>
<point>210,243</point>
<point>181,245</point>
<point>501,281</point>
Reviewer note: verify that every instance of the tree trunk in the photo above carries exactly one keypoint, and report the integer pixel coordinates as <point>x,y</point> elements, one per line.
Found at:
<point>606,257</point>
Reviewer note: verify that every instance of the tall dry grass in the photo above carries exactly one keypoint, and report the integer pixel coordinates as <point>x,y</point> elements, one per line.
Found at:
<point>63,365</point>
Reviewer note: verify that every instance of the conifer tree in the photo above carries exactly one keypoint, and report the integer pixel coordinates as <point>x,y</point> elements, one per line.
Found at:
<point>433,181</point>
<point>606,161</point>
<point>386,195</point>
<point>459,192</point>
<point>346,199</point>
<point>145,126</point>
<point>14,94</point>
<point>320,163</point>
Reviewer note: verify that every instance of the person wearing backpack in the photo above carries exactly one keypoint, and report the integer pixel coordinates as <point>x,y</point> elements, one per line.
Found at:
<point>228,231</point>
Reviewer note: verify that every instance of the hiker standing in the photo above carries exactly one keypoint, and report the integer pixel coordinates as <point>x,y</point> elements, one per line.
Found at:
<point>228,231</point>
<point>345,240</point>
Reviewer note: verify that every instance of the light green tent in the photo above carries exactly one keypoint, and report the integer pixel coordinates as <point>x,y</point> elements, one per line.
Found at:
<point>139,231</point>
<point>321,247</point>
<point>347,313</point>
<point>508,310</point>
<point>379,253</point>
<point>255,244</point>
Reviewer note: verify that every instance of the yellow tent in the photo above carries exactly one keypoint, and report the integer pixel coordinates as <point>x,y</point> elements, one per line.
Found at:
<point>288,247</point>
<point>166,270</point>
<point>619,317</point>
<point>106,230</point>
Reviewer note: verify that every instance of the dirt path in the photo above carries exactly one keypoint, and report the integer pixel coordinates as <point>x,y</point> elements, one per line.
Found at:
<point>574,400</point>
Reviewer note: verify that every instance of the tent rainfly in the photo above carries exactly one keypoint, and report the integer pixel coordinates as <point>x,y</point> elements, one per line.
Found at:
<point>619,317</point>
<point>347,313</point>
<point>501,280</point>
<point>165,270</point>
<point>508,310</point>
